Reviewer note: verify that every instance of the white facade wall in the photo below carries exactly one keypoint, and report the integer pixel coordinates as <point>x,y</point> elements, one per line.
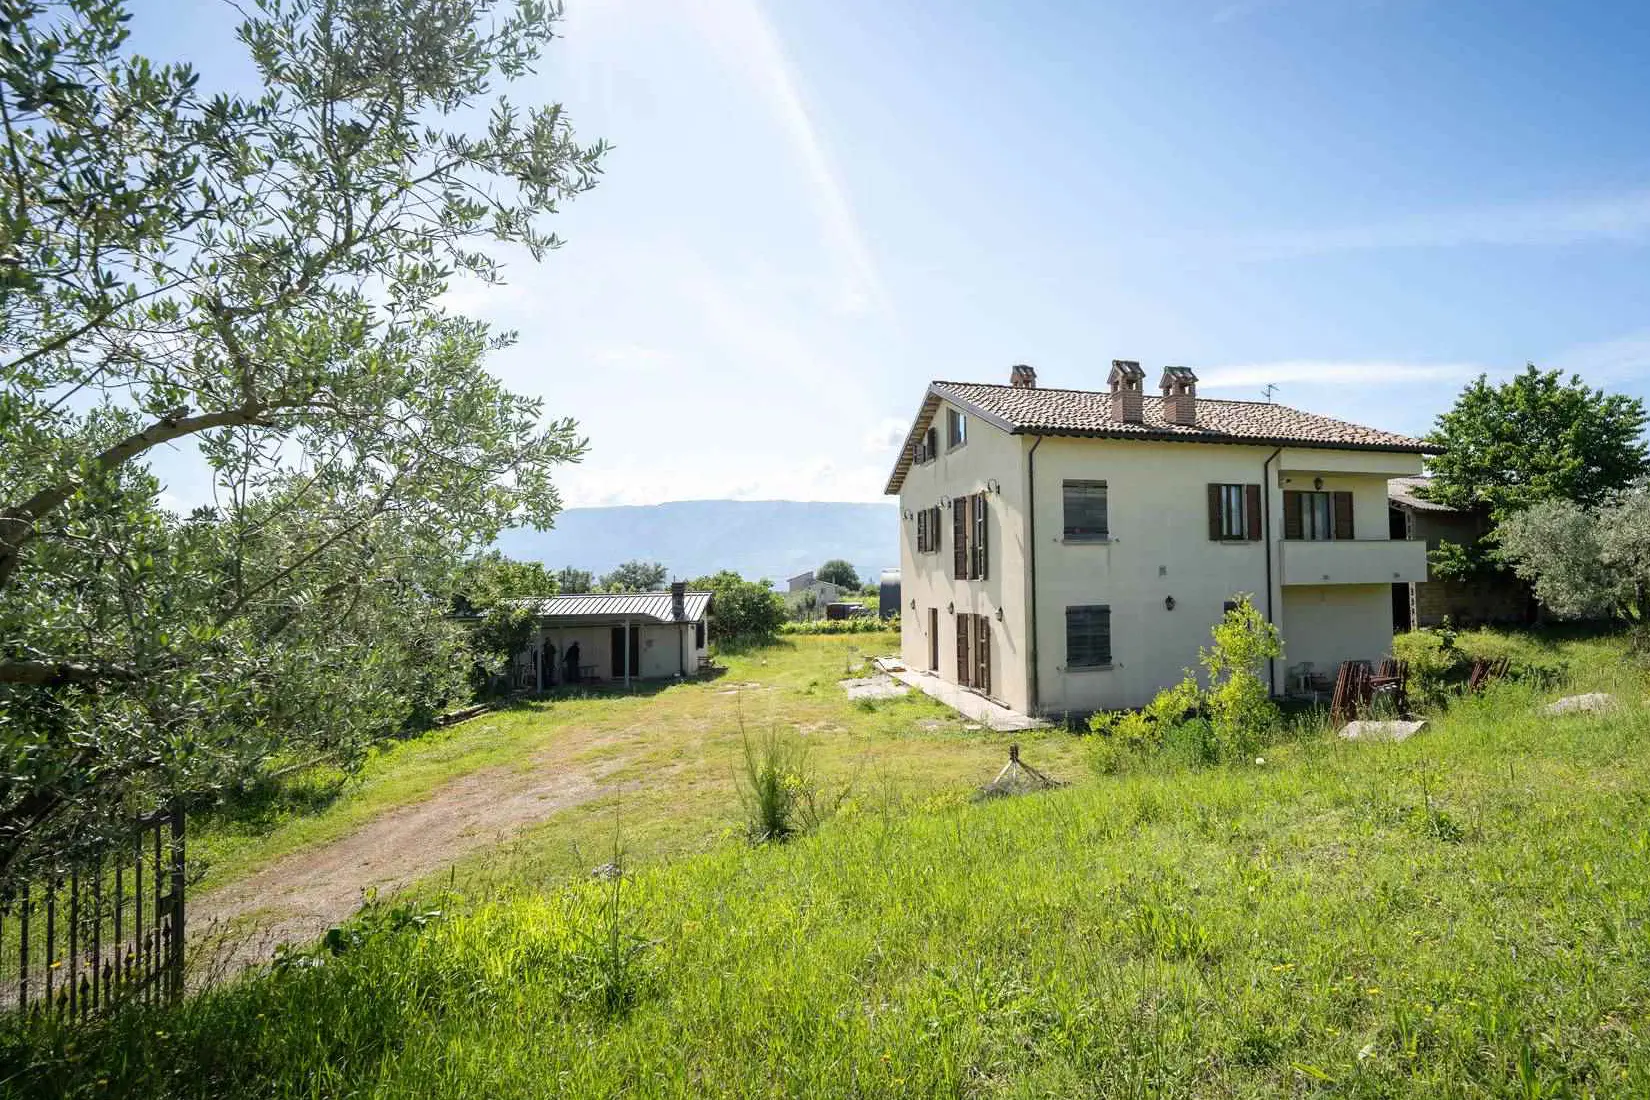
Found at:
<point>926,583</point>
<point>1159,548</point>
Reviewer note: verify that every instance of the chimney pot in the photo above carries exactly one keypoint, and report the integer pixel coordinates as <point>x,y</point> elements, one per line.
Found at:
<point>1127,393</point>
<point>1179,387</point>
<point>678,599</point>
<point>1022,377</point>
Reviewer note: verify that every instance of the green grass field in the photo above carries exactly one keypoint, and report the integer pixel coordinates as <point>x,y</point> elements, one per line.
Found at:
<point>1463,914</point>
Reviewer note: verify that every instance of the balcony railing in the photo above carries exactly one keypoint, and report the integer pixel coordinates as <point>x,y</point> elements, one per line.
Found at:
<point>1354,561</point>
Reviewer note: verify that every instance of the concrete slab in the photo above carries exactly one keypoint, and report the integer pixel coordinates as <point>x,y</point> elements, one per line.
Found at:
<point>1594,702</point>
<point>1364,730</point>
<point>969,704</point>
<point>874,687</point>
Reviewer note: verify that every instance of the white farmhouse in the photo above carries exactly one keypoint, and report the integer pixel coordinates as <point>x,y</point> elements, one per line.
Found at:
<point>1068,550</point>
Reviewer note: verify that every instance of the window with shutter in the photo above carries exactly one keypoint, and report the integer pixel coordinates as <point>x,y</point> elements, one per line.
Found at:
<point>959,536</point>
<point>1310,516</point>
<point>981,558</point>
<point>1088,636</point>
<point>982,653</point>
<point>1229,512</point>
<point>1085,508</point>
<point>1343,515</point>
<point>964,665</point>
<point>956,429</point>
<point>1251,506</point>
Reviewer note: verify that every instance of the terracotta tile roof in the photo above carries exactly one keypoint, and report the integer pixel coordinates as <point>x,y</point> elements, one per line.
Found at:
<point>1042,411</point>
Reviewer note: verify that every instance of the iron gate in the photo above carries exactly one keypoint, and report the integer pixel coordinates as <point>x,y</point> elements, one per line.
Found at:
<point>108,933</point>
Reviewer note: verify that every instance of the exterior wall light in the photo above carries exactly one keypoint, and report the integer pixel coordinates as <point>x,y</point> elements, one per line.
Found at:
<point>950,609</point>
<point>999,614</point>
<point>909,515</point>
<point>1168,603</point>
<point>913,605</point>
<point>1317,483</point>
<point>994,486</point>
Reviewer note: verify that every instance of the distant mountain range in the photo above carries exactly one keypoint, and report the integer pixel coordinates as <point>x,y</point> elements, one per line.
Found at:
<point>755,538</point>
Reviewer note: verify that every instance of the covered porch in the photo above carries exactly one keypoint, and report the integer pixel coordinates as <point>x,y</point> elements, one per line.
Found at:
<point>615,639</point>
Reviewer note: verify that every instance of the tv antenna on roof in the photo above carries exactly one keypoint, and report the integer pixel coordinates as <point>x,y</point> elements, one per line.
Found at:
<point>1267,391</point>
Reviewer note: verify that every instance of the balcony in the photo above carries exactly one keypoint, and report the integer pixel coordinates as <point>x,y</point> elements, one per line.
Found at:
<point>1354,561</point>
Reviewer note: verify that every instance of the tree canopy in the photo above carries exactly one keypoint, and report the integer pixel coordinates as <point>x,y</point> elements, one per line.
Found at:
<point>746,610</point>
<point>636,576</point>
<point>569,579</point>
<point>260,277</point>
<point>1585,562</point>
<point>1536,437</point>
<point>840,573</point>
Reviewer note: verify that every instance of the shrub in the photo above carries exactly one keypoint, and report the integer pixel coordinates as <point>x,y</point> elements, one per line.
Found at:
<point>1236,711</point>
<point>778,789</point>
<point>746,610</point>
<point>866,624</point>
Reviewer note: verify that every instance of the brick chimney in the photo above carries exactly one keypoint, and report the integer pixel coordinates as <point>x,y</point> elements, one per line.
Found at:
<point>1022,377</point>
<point>1179,396</point>
<point>1128,396</point>
<point>678,600</point>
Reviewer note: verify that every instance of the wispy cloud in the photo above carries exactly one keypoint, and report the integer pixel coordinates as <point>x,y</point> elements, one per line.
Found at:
<point>1622,359</point>
<point>742,34</point>
<point>1330,372</point>
<point>1621,218</point>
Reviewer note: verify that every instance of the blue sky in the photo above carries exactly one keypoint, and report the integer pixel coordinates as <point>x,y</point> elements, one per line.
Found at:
<point>812,209</point>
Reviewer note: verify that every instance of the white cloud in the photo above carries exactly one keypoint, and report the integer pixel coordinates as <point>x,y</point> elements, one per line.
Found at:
<point>885,436</point>
<point>1320,372</point>
<point>742,34</point>
<point>1621,218</point>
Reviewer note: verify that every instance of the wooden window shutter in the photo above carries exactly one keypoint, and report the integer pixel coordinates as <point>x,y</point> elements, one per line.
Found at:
<point>1251,509</point>
<point>1214,511</point>
<point>1292,527</point>
<point>962,622</point>
<point>1343,515</point>
<point>959,538</point>
<point>981,555</point>
<point>922,531</point>
<point>982,646</point>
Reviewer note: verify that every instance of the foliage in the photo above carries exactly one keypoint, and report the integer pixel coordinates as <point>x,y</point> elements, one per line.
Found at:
<point>780,790</point>
<point>1476,561</point>
<point>486,593</point>
<point>1536,438</point>
<point>1236,711</point>
<point>635,576</point>
<point>569,579</point>
<point>839,572</point>
<point>748,610</point>
<point>1367,921</point>
<point>859,624</point>
<point>258,278</point>
<point>1585,562</point>
<point>1431,661</point>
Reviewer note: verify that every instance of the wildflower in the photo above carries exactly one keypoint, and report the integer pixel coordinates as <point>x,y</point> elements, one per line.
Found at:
<point>1260,760</point>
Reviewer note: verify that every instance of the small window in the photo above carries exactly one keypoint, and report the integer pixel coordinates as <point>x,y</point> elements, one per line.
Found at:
<point>1088,637</point>
<point>1085,506</point>
<point>928,530</point>
<point>1233,519</point>
<point>956,429</point>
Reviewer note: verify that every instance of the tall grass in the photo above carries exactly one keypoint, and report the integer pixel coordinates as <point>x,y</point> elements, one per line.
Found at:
<point>1461,914</point>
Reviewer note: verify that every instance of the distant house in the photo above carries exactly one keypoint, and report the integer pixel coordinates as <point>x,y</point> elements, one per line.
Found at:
<point>1500,599</point>
<point>800,588</point>
<point>622,636</point>
<point>1069,550</point>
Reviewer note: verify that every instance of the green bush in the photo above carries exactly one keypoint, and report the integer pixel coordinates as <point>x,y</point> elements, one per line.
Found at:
<point>867,624</point>
<point>778,789</point>
<point>1234,715</point>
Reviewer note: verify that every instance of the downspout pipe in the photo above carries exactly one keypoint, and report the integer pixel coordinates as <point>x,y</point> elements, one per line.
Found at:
<point>1266,537</point>
<point>1031,558</point>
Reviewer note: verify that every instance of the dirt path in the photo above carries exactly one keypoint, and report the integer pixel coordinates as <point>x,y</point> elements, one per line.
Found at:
<point>298,897</point>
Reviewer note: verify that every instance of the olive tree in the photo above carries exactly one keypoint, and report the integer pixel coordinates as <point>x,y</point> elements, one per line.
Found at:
<point>1585,562</point>
<point>258,278</point>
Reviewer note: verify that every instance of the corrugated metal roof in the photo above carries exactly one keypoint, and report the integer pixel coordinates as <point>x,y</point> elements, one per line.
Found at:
<point>634,605</point>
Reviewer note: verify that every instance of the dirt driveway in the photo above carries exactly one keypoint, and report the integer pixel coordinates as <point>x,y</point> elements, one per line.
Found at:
<point>298,897</point>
